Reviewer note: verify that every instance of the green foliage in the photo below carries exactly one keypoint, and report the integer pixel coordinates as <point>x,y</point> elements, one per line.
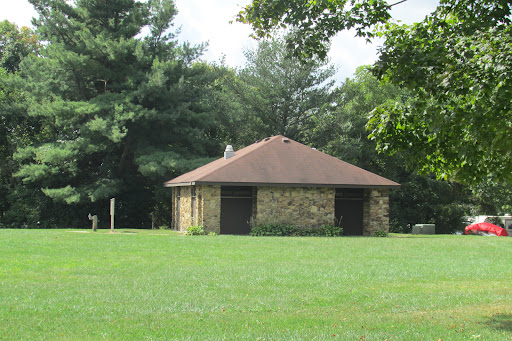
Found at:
<point>274,94</point>
<point>380,233</point>
<point>274,230</point>
<point>456,63</point>
<point>195,231</point>
<point>316,22</point>
<point>340,129</point>
<point>15,44</point>
<point>280,229</point>
<point>20,205</point>
<point>425,200</point>
<point>332,230</point>
<point>491,198</point>
<point>117,113</point>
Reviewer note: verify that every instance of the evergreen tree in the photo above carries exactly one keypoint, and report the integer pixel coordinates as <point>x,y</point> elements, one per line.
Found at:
<point>276,94</point>
<point>120,103</point>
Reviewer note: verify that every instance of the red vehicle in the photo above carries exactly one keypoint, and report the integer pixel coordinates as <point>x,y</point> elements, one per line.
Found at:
<point>486,229</point>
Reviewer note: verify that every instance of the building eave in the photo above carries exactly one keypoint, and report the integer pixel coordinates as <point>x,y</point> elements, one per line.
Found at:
<point>269,184</point>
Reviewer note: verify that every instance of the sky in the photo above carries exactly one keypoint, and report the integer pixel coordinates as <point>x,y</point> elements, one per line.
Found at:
<point>209,21</point>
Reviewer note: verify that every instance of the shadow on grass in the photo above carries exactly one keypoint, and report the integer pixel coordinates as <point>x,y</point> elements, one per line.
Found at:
<point>501,322</point>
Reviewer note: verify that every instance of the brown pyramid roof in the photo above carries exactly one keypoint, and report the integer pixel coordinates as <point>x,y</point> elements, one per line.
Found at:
<point>279,161</point>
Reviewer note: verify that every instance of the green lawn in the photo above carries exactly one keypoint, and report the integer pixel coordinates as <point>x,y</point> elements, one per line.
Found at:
<point>157,285</point>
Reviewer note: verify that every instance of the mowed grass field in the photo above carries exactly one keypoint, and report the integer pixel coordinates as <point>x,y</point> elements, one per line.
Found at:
<point>159,285</point>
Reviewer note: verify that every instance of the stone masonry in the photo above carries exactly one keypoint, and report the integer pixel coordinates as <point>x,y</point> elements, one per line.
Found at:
<point>185,209</point>
<point>375,211</point>
<point>207,213</point>
<point>305,206</point>
<point>210,208</point>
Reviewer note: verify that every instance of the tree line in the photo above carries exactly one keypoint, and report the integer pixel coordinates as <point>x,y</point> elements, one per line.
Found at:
<point>101,101</point>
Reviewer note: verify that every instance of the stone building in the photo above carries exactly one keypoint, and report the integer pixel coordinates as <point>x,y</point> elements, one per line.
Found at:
<point>280,180</point>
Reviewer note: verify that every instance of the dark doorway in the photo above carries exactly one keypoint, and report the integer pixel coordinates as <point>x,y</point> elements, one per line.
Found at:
<point>235,209</point>
<point>349,210</point>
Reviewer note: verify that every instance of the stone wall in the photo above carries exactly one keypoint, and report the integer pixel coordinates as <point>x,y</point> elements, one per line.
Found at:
<point>185,209</point>
<point>209,203</point>
<point>207,213</point>
<point>375,211</point>
<point>304,206</point>
<point>301,206</point>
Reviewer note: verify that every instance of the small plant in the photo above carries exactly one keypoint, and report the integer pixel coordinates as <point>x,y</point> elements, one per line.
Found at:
<point>195,231</point>
<point>212,233</point>
<point>308,232</point>
<point>164,227</point>
<point>332,231</point>
<point>380,233</point>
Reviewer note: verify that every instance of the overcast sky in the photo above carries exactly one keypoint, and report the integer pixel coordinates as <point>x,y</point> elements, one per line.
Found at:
<point>208,21</point>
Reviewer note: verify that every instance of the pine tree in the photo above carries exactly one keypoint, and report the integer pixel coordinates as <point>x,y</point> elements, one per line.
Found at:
<point>120,102</point>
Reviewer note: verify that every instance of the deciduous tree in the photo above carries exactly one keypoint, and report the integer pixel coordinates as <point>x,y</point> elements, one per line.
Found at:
<point>456,63</point>
<point>341,132</point>
<point>15,44</point>
<point>314,22</point>
<point>17,130</point>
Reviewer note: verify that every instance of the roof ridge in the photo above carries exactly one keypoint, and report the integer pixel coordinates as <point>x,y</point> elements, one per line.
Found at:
<point>271,138</point>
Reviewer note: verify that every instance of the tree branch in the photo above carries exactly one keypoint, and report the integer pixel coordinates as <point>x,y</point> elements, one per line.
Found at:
<point>397,3</point>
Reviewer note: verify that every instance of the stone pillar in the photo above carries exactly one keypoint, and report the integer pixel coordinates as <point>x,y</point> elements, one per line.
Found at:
<point>209,208</point>
<point>375,211</point>
<point>185,208</point>
<point>174,206</point>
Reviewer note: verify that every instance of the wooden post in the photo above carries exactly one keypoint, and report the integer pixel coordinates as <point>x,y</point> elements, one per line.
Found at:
<point>112,211</point>
<point>94,223</point>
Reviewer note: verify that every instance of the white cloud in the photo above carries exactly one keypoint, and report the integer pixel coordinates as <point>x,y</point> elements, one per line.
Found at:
<point>19,12</point>
<point>209,21</point>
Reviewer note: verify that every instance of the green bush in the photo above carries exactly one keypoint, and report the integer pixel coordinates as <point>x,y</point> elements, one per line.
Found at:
<point>380,233</point>
<point>332,231</point>
<point>274,230</point>
<point>291,230</point>
<point>308,231</point>
<point>195,231</point>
